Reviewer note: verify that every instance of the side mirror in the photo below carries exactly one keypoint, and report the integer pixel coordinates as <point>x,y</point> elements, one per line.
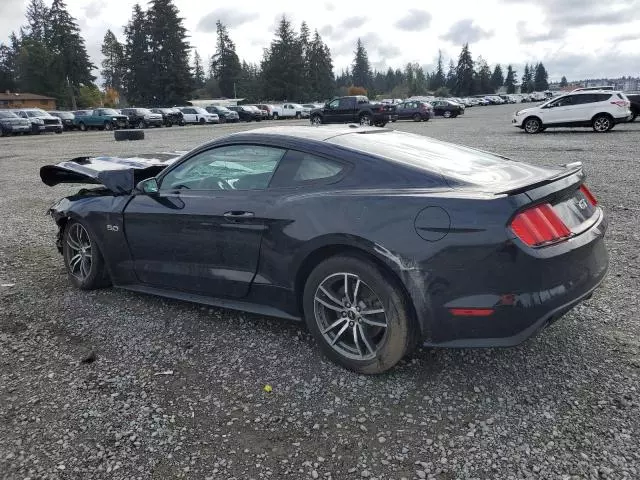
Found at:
<point>148,186</point>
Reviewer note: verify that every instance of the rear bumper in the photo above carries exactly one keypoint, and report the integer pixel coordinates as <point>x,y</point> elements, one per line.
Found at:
<point>524,291</point>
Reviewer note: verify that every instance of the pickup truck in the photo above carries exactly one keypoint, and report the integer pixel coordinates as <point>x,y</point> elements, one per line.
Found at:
<point>102,118</point>
<point>290,110</point>
<point>354,109</point>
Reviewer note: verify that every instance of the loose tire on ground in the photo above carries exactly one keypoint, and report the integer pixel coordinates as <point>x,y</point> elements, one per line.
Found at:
<point>121,135</point>
<point>375,292</point>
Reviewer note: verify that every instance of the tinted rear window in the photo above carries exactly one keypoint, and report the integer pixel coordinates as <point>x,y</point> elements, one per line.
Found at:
<point>426,154</point>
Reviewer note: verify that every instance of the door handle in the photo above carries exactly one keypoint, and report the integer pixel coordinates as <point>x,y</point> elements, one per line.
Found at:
<point>234,214</point>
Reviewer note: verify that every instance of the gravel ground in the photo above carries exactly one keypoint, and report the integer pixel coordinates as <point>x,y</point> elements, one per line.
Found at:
<point>117,385</point>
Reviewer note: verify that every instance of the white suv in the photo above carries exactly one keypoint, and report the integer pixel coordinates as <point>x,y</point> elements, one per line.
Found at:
<point>599,109</point>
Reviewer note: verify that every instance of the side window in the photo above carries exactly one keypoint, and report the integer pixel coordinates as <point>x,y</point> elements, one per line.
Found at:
<point>298,168</point>
<point>334,104</point>
<point>582,99</point>
<point>235,167</point>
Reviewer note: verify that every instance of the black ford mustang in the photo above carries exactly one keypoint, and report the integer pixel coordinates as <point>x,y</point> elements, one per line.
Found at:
<point>378,239</point>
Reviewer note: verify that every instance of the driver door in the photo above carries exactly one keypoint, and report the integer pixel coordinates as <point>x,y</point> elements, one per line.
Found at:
<point>559,111</point>
<point>201,231</point>
<point>330,112</point>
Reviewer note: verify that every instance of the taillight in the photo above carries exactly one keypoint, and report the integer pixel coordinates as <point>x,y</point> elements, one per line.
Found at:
<point>588,195</point>
<point>621,103</point>
<point>539,226</point>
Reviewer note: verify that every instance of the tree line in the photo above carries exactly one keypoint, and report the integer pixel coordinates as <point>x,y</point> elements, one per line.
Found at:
<point>153,65</point>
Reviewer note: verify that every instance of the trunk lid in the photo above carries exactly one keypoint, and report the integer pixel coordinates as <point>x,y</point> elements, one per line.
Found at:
<point>119,175</point>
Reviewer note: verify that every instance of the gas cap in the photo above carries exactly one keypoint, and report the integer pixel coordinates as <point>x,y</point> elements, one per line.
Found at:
<point>432,223</point>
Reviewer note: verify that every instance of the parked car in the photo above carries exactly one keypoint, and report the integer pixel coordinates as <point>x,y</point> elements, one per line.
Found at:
<point>65,117</point>
<point>446,109</point>
<point>246,114</point>
<point>264,114</point>
<point>265,107</point>
<point>634,99</point>
<point>290,110</point>
<point>11,124</point>
<point>198,115</point>
<point>353,109</point>
<point>414,110</point>
<point>600,110</point>
<point>225,115</point>
<point>38,119</point>
<point>142,117</point>
<point>428,248</point>
<point>170,116</point>
<point>101,118</point>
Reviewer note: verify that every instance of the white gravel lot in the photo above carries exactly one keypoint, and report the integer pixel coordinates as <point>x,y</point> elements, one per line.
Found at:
<point>564,405</point>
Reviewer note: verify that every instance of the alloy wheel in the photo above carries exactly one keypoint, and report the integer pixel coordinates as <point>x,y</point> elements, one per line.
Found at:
<point>79,256</point>
<point>447,114</point>
<point>602,124</point>
<point>365,120</point>
<point>350,316</point>
<point>532,126</point>
<point>316,120</point>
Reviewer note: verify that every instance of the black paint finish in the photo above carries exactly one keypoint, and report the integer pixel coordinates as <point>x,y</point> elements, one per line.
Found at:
<point>434,216</point>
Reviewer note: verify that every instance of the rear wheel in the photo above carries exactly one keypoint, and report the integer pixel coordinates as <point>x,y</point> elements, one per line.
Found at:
<point>275,115</point>
<point>447,114</point>
<point>141,124</point>
<point>82,258</point>
<point>532,125</point>
<point>316,120</point>
<point>359,318</point>
<point>82,127</point>
<point>417,117</point>
<point>298,116</point>
<point>634,115</point>
<point>365,119</point>
<point>108,125</point>
<point>602,123</point>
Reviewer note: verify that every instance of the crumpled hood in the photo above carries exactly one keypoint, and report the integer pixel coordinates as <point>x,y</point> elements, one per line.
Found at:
<point>120,175</point>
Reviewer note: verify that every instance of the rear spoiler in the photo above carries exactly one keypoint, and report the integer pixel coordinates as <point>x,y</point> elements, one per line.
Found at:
<point>569,169</point>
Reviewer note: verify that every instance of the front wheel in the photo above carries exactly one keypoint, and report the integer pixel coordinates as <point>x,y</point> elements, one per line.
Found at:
<point>275,116</point>
<point>447,114</point>
<point>532,125</point>
<point>202,121</point>
<point>298,116</point>
<point>602,123</point>
<point>417,117</point>
<point>141,124</point>
<point>380,123</point>
<point>360,319</point>
<point>82,258</point>
<point>108,126</point>
<point>82,127</point>
<point>365,119</point>
<point>316,120</point>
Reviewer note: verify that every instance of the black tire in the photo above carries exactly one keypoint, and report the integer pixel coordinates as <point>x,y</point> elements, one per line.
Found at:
<point>141,125</point>
<point>168,123</point>
<point>202,121</point>
<point>316,120</point>
<point>108,126</point>
<point>447,114</point>
<point>121,135</point>
<point>602,123</point>
<point>59,131</point>
<point>380,123</point>
<point>417,117</point>
<point>365,119</point>
<point>90,272</point>
<point>298,115</point>
<point>222,119</point>
<point>389,344</point>
<point>2,132</point>
<point>82,127</point>
<point>532,125</point>
<point>634,115</point>
<point>275,115</point>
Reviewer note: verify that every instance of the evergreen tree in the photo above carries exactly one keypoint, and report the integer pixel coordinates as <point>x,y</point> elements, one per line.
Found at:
<point>137,63</point>
<point>563,82</point>
<point>361,71</point>
<point>225,64</point>
<point>170,79</point>
<point>527,80</point>
<point>248,85</point>
<point>497,78</point>
<point>37,20</point>
<point>35,72</point>
<point>541,78</point>
<point>71,65</point>
<point>452,80</point>
<point>7,68</point>
<point>320,81</point>
<point>198,71</point>
<point>389,80</point>
<point>483,77</point>
<point>464,72</point>
<point>283,65</point>
<point>438,79</point>
<point>510,81</point>
<point>113,62</point>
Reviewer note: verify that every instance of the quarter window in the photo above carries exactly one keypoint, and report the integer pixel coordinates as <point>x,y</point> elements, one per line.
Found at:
<point>235,167</point>
<point>315,168</point>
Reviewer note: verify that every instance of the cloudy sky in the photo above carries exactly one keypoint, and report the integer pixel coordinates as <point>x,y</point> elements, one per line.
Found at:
<point>576,38</point>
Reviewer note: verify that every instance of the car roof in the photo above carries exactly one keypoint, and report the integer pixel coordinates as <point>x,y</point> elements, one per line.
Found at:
<point>319,134</point>
<point>587,92</point>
